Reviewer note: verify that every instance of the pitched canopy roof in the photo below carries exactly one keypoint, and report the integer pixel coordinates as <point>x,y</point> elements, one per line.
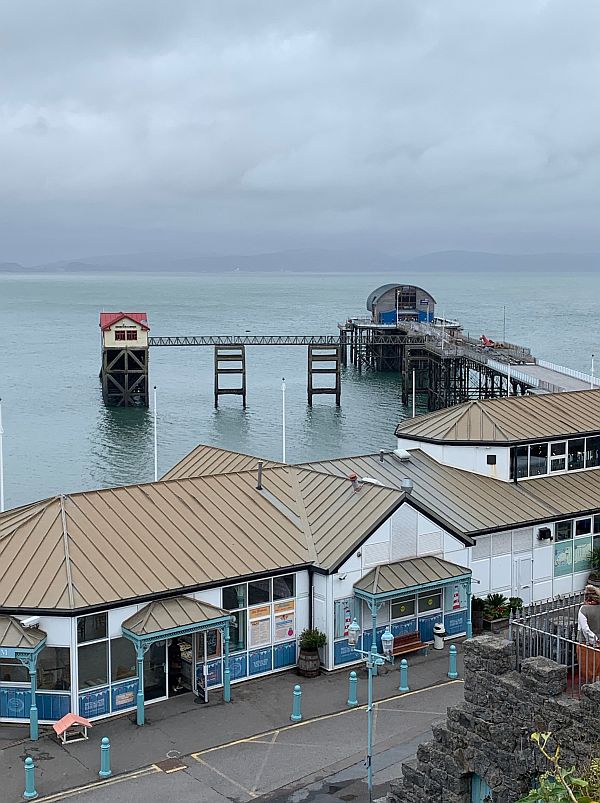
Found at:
<point>409,574</point>
<point>100,547</point>
<point>107,319</point>
<point>512,419</point>
<point>17,637</point>
<point>168,614</point>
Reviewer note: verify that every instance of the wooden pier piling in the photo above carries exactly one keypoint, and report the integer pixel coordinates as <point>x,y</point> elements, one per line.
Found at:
<point>230,361</point>
<point>324,360</point>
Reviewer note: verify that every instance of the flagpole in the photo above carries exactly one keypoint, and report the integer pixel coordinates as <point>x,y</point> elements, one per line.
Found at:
<point>155,441</point>
<point>414,394</point>
<point>1,462</point>
<point>283,418</point>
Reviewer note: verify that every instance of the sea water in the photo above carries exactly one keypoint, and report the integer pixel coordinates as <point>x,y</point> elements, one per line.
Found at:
<point>60,438</point>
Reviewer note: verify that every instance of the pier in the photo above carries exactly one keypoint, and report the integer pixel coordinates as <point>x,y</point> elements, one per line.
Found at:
<point>433,356</point>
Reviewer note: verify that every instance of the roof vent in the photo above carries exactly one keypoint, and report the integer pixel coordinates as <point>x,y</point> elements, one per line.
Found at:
<point>259,482</point>
<point>354,480</point>
<point>371,481</point>
<point>402,454</point>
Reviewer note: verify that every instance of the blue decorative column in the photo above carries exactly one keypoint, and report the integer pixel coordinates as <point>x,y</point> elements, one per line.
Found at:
<point>226,670</point>
<point>469,622</point>
<point>33,712</point>
<point>140,651</point>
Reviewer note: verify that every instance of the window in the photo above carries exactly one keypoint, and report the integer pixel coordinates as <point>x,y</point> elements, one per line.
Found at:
<point>521,461</point>
<point>234,597</point>
<point>122,659</point>
<point>592,452</point>
<point>430,602</point>
<point>54,669</point>
<point>491,459</point>
<point>13,671</point>
<point>564,530</point>
<point>120,334</point>
<point>402,608</point>
<point>259,592</point>
<point>132,334</point>
<point>576,454</point>
<point>538,459</point>
<point>583,527</point>
<point>93,664</point>
<point>597,524</point>
<point>558,456</point>
<point>238,631</point>
<point>284,586</point>
<point>91,628</point>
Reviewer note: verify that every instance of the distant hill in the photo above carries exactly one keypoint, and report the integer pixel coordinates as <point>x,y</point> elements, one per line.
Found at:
<point>317,261</point>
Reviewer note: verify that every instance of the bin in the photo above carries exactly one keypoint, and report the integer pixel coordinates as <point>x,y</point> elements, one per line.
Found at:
<point>439,632</point>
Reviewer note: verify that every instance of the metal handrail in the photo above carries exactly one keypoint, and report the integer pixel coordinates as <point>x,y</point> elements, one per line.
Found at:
<point>561,369</point>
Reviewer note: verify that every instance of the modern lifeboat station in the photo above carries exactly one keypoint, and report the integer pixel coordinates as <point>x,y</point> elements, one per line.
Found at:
<point>113,599</point>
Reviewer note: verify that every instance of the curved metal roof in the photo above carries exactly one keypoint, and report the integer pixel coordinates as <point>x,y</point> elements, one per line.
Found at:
<point>385,287</point>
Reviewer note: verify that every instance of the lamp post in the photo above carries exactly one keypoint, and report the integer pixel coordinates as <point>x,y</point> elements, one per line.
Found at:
<point>373,660</point>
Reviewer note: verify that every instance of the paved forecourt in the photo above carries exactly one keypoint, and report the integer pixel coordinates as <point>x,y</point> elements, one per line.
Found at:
<point>317,756</point>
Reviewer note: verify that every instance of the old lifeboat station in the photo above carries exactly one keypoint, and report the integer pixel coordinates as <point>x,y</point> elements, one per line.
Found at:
<point>113,599</point>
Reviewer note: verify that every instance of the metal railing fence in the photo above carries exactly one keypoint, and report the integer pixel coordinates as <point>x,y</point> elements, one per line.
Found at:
<point>549,629</point>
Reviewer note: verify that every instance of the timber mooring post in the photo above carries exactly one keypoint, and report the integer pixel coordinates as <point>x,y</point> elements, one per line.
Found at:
<point>331,357</point>
<point>224,357</point>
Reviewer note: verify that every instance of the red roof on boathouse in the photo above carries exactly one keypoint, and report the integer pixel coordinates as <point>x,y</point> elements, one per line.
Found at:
<point>107,319</point>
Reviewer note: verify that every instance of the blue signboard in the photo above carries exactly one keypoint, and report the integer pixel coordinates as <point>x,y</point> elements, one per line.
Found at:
<point>402,628</point>
<point>343,653</point>
<point>455,623</point>
<point>15,702</point>
<point>238,666</point>
<point>284,655</point>
<point>260,661</point>
<point>94,703</point>
<point>7,652</point>
<point>123,695</point>
<point>426,624</point>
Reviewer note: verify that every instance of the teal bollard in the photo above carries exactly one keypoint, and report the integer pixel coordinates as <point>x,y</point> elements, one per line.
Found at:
<point>452,673</point>
<point>30,791</point>
<point>105,770</point>
<point>404,675</point>
<point>352,701</point>
<point>296,714</point>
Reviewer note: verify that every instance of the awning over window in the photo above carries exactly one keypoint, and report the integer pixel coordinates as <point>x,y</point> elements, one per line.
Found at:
<point>174,616</point>
<point>16,639</point>
<point>404,576</point>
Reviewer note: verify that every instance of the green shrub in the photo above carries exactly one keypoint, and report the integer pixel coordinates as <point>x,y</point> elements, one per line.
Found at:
<point>312,639</point>
<point>515,603</point>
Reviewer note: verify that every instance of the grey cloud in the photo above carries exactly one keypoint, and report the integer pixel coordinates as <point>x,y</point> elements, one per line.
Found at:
<point>416,125</point>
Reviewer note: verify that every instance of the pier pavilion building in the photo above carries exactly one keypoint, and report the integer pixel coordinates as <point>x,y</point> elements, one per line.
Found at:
<point>116,598</point>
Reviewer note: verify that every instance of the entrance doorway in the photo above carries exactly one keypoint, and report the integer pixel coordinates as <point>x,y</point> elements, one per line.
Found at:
<point>155,671</point>
<point>524,577</point>
<point>209,649</point>
<point>182,659</point>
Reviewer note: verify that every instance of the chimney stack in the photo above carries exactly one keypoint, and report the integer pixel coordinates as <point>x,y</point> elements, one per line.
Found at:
<point>354,480</point>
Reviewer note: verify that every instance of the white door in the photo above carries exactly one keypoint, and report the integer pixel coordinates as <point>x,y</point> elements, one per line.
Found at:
<point>524,577</point>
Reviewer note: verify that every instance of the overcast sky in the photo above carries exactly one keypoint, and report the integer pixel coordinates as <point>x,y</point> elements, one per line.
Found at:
<point>247,125</point>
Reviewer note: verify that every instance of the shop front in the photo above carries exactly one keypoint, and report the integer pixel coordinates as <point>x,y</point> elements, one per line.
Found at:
<point>407,596</point>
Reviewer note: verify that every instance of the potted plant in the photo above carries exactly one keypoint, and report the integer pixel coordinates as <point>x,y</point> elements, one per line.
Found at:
<point>594,578</point>
<point>495,613</point>
<point>309,663</point>
<point>477,607</point>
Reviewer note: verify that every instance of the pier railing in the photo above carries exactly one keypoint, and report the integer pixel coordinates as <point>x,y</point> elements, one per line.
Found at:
<point>549,629</point>
<point>561,369</point>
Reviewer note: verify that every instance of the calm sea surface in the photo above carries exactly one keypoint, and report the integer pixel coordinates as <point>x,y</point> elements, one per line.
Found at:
<point>59,437</point>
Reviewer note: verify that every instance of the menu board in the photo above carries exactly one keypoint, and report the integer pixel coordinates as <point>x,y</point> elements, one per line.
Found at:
<point>582,550</point>
<point>563,558</point>
<point>260,631</point>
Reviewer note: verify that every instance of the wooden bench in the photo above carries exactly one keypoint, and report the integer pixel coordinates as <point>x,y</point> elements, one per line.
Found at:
<point>409,642</point>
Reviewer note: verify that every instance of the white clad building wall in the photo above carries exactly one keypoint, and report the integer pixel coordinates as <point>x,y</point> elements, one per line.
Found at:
<point>478,459</point>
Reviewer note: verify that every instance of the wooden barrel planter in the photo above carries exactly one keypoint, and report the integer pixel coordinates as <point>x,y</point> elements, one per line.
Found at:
<point>309,663</point>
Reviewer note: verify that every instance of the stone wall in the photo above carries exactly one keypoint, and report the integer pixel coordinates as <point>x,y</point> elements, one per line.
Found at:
<point>488,734</point>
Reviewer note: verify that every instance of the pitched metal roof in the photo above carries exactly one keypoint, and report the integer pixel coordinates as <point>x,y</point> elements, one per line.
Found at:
<point>166,614</point>
<point>512,419</point>
<point>107,319</point>
<point>15,636</point>
<point>408,574</point>
<point>205,460</point>
<point>100,547</point>
<point>469,504</point>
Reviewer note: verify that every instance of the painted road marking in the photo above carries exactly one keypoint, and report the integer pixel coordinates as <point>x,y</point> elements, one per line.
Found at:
<point>226,777</point>
<point>78,790</point>
<point>264,761</point>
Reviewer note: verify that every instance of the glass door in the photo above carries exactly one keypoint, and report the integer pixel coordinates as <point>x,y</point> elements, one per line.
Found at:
<point>155,671</point>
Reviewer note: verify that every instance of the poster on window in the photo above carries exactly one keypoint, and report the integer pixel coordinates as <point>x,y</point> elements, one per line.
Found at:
<point>343,614</point>
<point>260,632</point>
<point>285,626</point>
<point>258,613</point>
<point>563,558</point>
<point>582,549</point>
<point>455,597</point>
